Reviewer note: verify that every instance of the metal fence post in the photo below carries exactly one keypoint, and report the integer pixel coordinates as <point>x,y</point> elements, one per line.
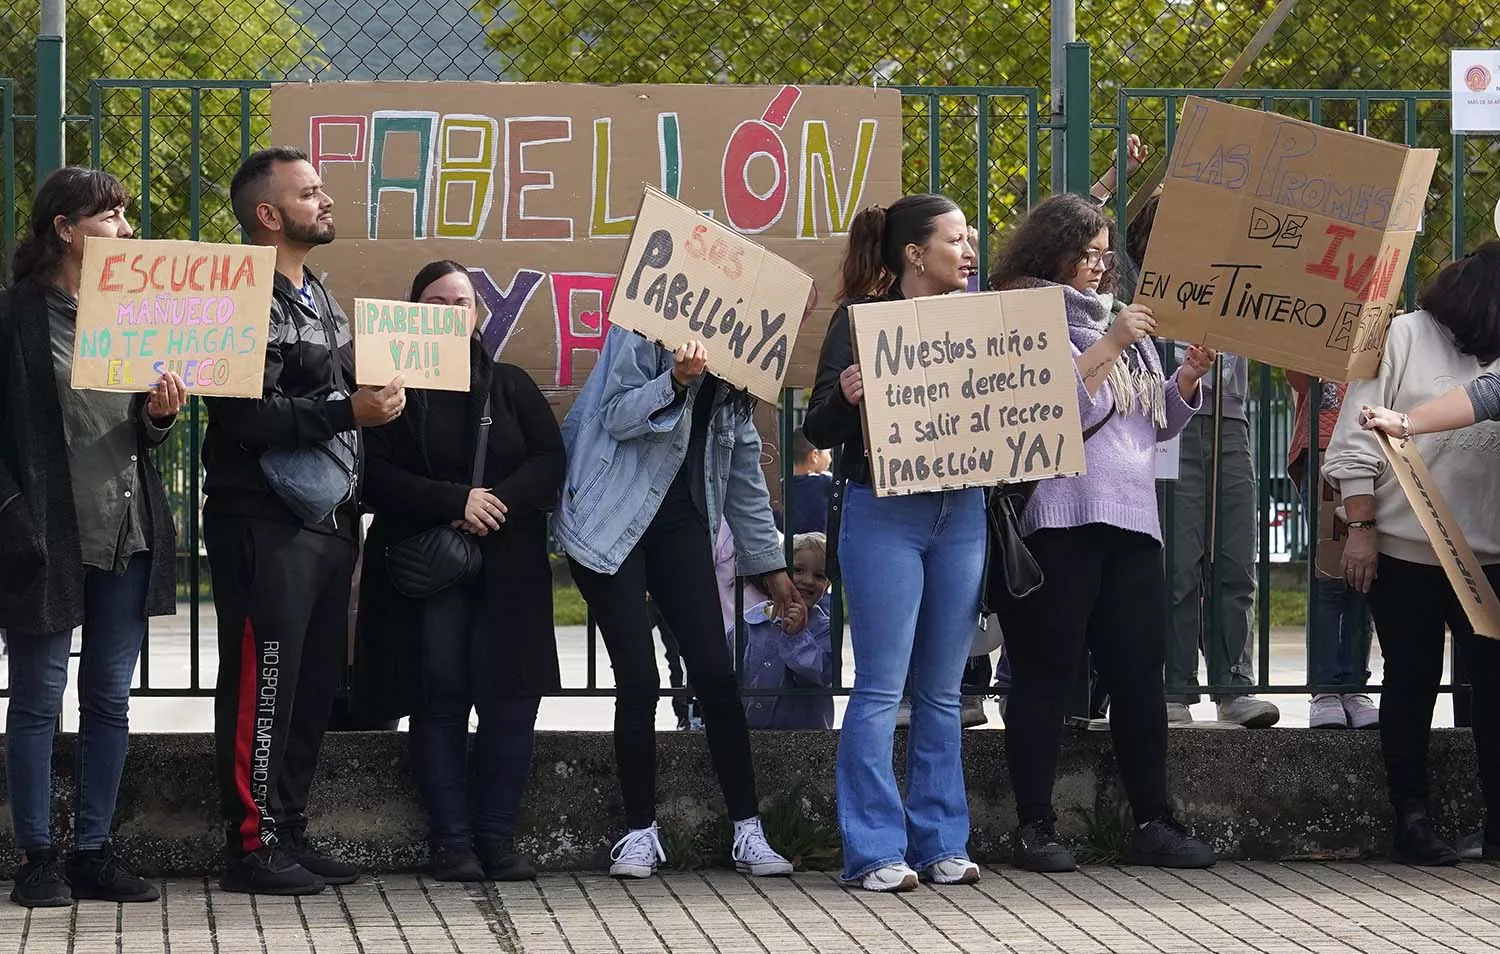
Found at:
<point>1078,86</point>
<point>51,70</point>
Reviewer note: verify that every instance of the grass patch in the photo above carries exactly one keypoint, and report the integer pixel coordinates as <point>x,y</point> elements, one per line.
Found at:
<point>1106,836</point>
<point>568,607</point>
<point>1288,608</point>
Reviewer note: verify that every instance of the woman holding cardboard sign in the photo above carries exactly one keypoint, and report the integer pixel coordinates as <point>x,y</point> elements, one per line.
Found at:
<point>911,568</point>
<point>1097,540</point>
<point>86,539</point>
<point>1455,337</point>
<point>660,450</point>
<point>456,600</point>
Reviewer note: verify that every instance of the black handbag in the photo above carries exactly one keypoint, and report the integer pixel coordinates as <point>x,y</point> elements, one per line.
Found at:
<point>434,560</point>
<point>1020,575</point>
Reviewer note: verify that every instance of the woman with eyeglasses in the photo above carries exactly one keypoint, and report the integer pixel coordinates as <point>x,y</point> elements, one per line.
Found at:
<point>1098,541</point>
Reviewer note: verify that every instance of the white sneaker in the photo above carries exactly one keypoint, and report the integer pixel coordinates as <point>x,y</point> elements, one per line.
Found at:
<point>1178,713</point>
<point>1326,711</point>
<point>953,871</point>
<point>753,855</point>
<point>897,877</point>
<point>637,854</point>
<point>1362,711</point>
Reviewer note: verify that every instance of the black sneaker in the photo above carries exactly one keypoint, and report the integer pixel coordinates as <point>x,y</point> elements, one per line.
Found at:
<point>1477,846</point>
<point>331,870</point>
<point>502,862</point>
<point>1035,848</point>
<point>269,871</point>
<point>1164,843</point>
<point>1418,844</point>
<point>41,883</point>
<point>101,876</point>
<point>455,863</point>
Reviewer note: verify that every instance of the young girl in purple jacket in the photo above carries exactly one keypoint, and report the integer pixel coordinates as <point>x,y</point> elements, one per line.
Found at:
<point>1098,541</point>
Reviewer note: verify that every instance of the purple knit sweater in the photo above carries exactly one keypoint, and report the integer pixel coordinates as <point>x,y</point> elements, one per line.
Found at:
<point>1119,487</point>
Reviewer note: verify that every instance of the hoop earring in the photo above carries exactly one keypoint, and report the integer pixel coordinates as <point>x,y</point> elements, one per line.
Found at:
<point>921,268</point>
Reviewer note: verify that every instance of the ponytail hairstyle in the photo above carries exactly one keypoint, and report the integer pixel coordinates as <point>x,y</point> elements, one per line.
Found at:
<point>74,193</point>
<point>1051,241</point>
<point>877,243</point>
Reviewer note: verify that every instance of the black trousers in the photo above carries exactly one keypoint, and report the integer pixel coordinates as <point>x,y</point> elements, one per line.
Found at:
<point>458,647</point>
<point>674,561</point>
<point>281,594</point>
<point>1105,589</point>
<point>1411,604</point>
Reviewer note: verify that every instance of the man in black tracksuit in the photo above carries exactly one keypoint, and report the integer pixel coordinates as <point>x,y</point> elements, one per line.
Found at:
<point>281,584</point>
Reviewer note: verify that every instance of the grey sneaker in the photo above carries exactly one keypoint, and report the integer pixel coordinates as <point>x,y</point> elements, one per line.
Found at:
<point>1250,712</point>
<point>1362,711</point>
<point>1326,711</point>
<point>1178,713</point>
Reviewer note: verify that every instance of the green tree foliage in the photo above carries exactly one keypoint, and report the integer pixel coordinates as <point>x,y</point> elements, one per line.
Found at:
<point>1353,45</point>
<point>160,39</point>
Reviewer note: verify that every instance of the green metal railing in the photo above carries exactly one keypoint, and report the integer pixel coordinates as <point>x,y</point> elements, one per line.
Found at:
<point>983,145</point>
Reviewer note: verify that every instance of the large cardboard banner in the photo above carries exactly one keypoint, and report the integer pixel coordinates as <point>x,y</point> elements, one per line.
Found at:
<point>196,308</point>
<point>428,345</point>
<point>967,390</point>
<point>1453,551</point>
<point>688,277</point>
<point>1283,241</point>
<point>535,187</point>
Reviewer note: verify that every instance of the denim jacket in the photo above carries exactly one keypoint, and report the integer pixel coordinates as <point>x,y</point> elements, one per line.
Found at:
<point>626,438</point>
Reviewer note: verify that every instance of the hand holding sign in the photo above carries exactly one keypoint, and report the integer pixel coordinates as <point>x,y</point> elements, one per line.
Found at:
<point>852,383</point>
<point>688,362</point>
<point>167,397</point>
<point>376,406</point>
<point>1133,323</point>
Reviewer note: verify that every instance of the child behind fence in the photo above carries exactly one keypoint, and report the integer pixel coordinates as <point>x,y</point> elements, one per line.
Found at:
<point>776,660</point>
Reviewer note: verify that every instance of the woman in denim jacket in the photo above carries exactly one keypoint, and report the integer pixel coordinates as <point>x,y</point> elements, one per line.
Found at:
<point>658,451</point>
<point>911,568</point>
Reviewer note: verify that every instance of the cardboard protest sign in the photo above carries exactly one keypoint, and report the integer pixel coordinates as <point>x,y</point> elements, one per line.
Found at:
<point>196,308</point>
<point>688,277</point>
<point>1463,569</point>
<point>1283,241</point>
<point>428,345</point>
<point>535,186</point>
<point>967,390</point>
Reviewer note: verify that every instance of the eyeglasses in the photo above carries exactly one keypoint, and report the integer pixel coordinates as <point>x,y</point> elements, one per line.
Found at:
<point>1098,259</point>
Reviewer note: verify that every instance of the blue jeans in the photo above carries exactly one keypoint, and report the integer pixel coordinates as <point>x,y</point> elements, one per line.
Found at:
<point>911,571</point>
<point>1338,631</point>
<point>457,646</point>
<point>114,627</point>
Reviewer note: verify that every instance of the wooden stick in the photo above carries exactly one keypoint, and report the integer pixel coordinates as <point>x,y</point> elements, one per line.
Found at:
<point>1241,64</point>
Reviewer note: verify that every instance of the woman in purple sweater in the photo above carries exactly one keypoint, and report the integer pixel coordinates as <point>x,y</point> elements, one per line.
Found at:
<point>1097,539</point>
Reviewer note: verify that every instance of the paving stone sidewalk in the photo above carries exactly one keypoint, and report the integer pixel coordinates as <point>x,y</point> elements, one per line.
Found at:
<point>1256,908</point>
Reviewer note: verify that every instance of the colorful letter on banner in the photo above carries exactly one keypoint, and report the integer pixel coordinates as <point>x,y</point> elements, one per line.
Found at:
<point>750,211</point>
<point>318,127</point>
<point>596,323</point>
<point>520,132</point>
<point>457,168</point>
<point>601,223</point>
<point>817,157</point>
<point>385,123</point>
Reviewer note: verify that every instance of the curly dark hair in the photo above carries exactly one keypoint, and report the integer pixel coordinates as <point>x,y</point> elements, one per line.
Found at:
<point>1050,241</point>
<point>1465,298</point>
